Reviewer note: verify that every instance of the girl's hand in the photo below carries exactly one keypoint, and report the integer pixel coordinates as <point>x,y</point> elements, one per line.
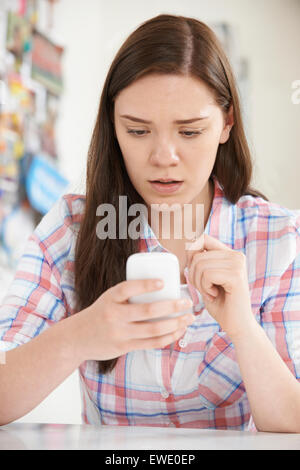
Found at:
<point>220,275</point>
<point>112,327</point>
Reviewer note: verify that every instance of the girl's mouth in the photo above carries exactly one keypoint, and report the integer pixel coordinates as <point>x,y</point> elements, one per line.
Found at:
<point>166,186</point>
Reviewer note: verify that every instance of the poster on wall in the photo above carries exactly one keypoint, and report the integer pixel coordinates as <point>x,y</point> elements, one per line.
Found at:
<point>31,84</point>
<point>18,40</point>
<point>44,184</point>
<point>46,63</point>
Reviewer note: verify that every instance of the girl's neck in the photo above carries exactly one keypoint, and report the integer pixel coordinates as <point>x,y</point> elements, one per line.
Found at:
<point>178,227</point>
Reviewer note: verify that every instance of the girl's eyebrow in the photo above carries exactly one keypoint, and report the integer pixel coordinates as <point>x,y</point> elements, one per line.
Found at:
<point>180,121</point>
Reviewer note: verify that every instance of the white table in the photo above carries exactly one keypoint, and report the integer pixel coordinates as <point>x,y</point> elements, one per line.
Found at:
<point>73,436</point>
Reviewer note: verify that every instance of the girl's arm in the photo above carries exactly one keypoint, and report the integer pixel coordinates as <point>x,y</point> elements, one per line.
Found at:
<point>33,370</point>
<point>220,275</point>
<point>273,392</point>
<point>108,328</point>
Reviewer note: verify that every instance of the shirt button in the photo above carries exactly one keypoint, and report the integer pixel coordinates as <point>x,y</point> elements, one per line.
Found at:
<point>164,394</point>
<point>182,343</point>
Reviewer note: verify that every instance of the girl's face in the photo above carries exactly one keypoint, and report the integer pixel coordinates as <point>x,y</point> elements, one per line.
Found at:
<point>157,144</point>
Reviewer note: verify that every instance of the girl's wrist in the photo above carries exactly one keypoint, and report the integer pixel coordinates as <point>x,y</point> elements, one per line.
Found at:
<point>76,336</point>
<point>249,330</point>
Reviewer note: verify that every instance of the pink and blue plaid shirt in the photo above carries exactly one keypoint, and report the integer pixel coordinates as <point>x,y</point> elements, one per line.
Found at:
<point>197,383</point>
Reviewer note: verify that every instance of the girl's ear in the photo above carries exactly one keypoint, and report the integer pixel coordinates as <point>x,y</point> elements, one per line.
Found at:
<point>229,122</point>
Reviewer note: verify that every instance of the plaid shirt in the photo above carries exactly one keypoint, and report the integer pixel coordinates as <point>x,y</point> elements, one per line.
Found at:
<point>197,383</point>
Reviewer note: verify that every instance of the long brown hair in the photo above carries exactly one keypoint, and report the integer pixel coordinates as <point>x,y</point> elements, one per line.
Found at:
<point>165,44</point>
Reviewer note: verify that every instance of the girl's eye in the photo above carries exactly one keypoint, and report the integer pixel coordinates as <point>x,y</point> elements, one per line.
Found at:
<point>190,133</point>
<point>187,134</point>
<point>135,132</point>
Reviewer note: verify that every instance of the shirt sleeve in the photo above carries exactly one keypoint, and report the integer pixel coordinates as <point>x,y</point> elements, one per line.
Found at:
<point>35,300</point>
<point>280,312</point>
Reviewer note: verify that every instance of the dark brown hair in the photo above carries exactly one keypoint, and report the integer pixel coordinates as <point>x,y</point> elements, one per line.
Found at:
<point>166,44</point>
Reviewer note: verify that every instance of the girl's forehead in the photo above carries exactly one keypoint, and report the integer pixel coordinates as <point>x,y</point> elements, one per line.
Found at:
<point>165,87</point>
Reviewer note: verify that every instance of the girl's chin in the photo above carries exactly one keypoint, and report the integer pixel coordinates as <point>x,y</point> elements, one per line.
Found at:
<point>164,203</point>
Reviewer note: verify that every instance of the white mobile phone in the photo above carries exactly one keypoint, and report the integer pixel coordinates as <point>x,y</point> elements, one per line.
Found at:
<point>163,266</point>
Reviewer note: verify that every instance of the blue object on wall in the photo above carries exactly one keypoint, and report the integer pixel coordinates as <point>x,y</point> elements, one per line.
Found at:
<point>44,184</point>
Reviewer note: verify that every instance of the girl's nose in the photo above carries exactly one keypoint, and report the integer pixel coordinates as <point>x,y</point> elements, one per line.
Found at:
<point>164,155</point>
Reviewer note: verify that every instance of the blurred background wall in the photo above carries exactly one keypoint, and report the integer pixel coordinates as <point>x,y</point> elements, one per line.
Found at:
<point>265,48</point>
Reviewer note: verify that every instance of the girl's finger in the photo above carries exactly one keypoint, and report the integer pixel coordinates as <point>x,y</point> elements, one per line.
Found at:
<point>219,277</point>
<point>197,281</point>
<point>152,310</point>
<point>199,265</point>
<point>211,243</point>
<point>126,289</point>
<point>146,329</point>
<point>211,261</point>
<point>211,248</point>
